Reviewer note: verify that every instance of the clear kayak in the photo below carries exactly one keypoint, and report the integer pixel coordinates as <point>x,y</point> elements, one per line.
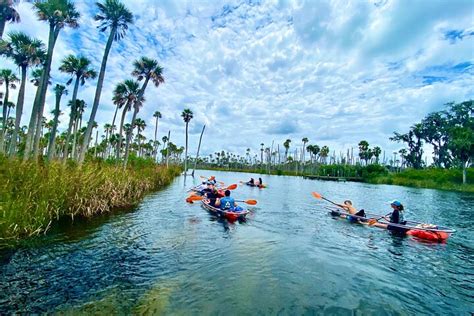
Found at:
<point>419,230</point>
<point>228,214</point>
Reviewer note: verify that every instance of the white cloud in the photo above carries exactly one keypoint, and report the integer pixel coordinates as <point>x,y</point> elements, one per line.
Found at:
<point>335,72</point>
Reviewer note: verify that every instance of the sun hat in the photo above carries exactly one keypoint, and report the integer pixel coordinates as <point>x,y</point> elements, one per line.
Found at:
<point>395,202</point>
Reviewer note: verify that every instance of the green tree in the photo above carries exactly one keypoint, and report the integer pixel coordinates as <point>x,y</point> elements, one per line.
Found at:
<point>187,115</point>
<point>305,141</point>
<point>324,153</point>
<point>79,70</point>
<point>59,91</point>
<point>58,14</point>
<point>115,17</point>
<point>144,69</point>
<point>7,14</point>
<point>364,151</point>
<point>286,144</point>
<point>415,145</point>
<point>9,79</point>
<point>157,116</point>
<point>125,95</point>
<point>25,52</point>
<point>377,151</point>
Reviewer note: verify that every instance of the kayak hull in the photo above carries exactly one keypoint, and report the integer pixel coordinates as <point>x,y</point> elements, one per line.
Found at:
<point>438,234</point>
<point>229,215</point>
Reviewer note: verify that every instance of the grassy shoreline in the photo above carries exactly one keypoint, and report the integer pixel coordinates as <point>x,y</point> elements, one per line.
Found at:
<point>35,195</point>
<point>440,179</point>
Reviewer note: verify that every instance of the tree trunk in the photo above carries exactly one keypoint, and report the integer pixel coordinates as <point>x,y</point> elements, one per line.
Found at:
<point>186,151</point>
<point>52,137</point>
<point>129,137</point>
<point>74,137</point>
<point>168,149</point>
<point>2,27</point>
<point>72,117</point>
<point>122,120</point>
<point>31,125</point>
<point>199,147</point>
<point>98,92</point>
<point>53,36</point>
<point>155,146</point>
<point>96,137</point>
<point>4,116</point>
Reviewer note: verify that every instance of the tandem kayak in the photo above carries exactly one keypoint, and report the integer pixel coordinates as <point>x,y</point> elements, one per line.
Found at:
<point>229,215</point>
<point>260,186</point>
<point>423,231</point>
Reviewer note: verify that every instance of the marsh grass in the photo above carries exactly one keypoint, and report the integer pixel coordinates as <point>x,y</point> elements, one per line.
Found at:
<point>34,195</point>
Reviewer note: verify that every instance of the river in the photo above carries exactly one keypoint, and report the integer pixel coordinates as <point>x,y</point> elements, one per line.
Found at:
<point>289,258</point>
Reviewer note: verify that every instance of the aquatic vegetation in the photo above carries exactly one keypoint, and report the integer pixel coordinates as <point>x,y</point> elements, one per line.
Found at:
<point>34,195</point>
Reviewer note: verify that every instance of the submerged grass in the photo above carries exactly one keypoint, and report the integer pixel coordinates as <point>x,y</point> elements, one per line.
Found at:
<point>34,195</point>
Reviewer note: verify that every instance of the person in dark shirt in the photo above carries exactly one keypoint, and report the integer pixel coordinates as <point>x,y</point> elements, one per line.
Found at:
<point>251,182</point>
<point>396,217</point>
<point>211,194</point>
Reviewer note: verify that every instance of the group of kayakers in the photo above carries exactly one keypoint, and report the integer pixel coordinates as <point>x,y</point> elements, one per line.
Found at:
<point>219,198</point>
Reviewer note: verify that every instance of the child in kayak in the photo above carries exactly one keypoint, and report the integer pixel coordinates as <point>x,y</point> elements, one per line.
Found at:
<point>349,208</point>
<point>228,203</point>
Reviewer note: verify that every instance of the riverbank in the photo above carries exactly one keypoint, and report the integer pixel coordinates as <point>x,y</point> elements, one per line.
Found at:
<point>35,195</point>
<point>430,178</point>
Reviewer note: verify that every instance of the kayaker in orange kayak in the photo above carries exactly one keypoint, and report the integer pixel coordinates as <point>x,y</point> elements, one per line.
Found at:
<point>396,217</point>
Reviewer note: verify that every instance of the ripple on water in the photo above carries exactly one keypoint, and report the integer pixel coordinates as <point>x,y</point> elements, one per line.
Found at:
<point>290,257</point>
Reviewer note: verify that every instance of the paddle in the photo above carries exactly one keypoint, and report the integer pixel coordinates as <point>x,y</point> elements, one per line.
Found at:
<point>231,187</point>
<point>220,182</point>
<point>319,196</point>
<point>200,198</point>
<point>372,221</point>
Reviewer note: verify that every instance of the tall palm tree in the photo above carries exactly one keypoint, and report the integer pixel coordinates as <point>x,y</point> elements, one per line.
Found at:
<point>140,125</point>
<point>36,75</point>
<point>286,144</point>
<point>7,14</point>
<point>80,107</point>
<point>144,69</point>
<point>108,131</point>
<point>156,115</point>
<point>305,141</point>
<point>78,69</point>
<point>25,52</point>
<point>59,91</point>
<point>115,17</point>
<point>58,14</point>
<point>187,115</point>
<point>10,80</point>
<point>125,95</point>
<point>324,153</point>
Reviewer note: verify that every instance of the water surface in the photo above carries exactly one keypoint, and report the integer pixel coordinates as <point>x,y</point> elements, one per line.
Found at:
<point>289,258</point>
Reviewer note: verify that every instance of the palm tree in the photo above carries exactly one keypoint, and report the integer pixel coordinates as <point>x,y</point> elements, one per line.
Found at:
<point>187,115</point>
<point>59,91</point>
<point>80,107</point>
<point>36,75</point>
<point>8,78</point>
<point>148,69</point>
<point>140,125</point>
<point>286,144</point>
<point>78,69</point>
<point>125,95</point>
<point>376,152</point>
<point>324,153</point>
<point>305,141</point>
<point>25,52</point>
<point>7,14</point>
<point>58,14</point>
<point>108,131</point>
<point>156,115</point>
<point>116,17</point>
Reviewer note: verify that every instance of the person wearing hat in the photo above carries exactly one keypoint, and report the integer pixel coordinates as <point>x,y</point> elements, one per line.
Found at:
<point>396,217</point>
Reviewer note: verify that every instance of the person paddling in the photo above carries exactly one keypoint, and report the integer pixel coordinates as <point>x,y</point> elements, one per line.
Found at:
<point>260,183</point>
<point>349,208</point>
<point>228,203</point>
<point>251,182</point>
<point>396,217</point>
<point>211,193</point>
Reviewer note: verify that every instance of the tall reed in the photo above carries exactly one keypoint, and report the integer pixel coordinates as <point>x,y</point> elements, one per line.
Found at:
<point>34,195</point>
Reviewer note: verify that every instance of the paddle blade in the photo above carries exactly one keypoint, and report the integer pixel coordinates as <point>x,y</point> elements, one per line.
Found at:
<point>232,187</point>
<point>251,202</point>
<point>316,195</point>
<point>372,221</point>
<point>195,198</point>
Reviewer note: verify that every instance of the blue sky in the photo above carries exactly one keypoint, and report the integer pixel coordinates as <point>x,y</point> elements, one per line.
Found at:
<point>336,72</point>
